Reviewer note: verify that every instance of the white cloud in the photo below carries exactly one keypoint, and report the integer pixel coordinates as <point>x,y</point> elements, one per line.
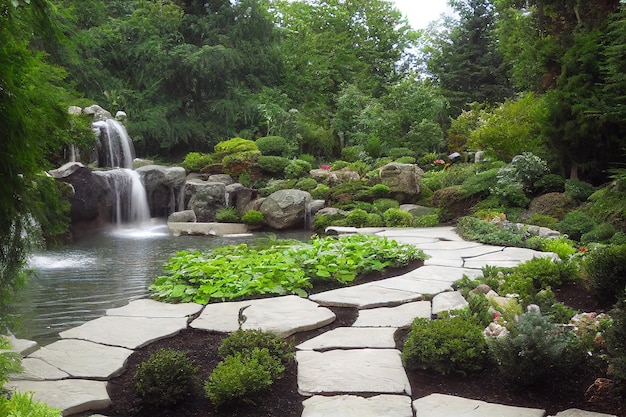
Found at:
<point>421,12</point>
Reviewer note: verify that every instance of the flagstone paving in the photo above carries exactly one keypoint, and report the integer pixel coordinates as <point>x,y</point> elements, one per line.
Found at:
<point>357,368</point>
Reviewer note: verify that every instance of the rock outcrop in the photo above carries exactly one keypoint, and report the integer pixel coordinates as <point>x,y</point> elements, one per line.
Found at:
<point>286,209</point>
<point>164,188</point>
<point>403,180</point>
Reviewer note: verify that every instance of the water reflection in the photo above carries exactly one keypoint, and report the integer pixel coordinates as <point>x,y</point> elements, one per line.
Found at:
<point>76,283</point>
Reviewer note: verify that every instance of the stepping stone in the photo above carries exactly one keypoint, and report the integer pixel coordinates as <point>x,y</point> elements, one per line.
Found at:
<point>445,274</point>
<point>150,308</point>
<point>365,296</point>
<point>440,405</point>
<point>83,359</point>
<point>575,412</point>
<point>446,245</point>
<point>128,332</point>
<point>397,317</point>
<point>281,315</point>
<point>508,257</point>
<point>351,371</point>
<point>445,233</point>
<point>22,346</point>
<point>38,370</point>
<point>416,286</point>
<point>71,396</point>
<point>353,406</point>
<point>447,301</point>
<point>351,338</point>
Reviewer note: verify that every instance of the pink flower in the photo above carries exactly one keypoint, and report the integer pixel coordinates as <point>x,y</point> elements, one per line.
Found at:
<point>326,167</point>
<point>439,161</point>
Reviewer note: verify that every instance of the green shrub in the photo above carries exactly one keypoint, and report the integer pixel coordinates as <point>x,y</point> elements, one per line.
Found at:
<point>10,362</point>
<point>395,217</point>
<point>579,190</point>
<point>297,168</point>
<point>562,246</point>
<point>306,184</point>
<point>472,228</point>
<point>512,195</point>
<point>428,220</point>
<point>575,224</point>
<point>384,204</point>
<point>618,238</point>
<point>546,272</point>
<point>240,163</point>
<point>542,220</point>
<point>227,215</point>
<point>615,336</point>
<point>451,345</point>
<point>536,351</point>
<point>356,218</point>
<point>479,184</point>
<point>322,221</point>
<point>605,268</point>
<point>602,233</point>
<point>321,192</point>
<point>549,183</point>
<point>232,146</point>
<point>165,378</point>
<point>379,191</point>
<point>374,220</point>
<point>308,158</point>
<point>196,162</point>
<point>395,153</point>
<point>245,341</point>
<point>240,376</point>
<point>273,145</point>
<point>352,153</point>
<point>273,164</point>
<point>374,147</point>
<point>253,218</point>
<point>22,404</point>
<point>337,165</point>
<point>406,160</point>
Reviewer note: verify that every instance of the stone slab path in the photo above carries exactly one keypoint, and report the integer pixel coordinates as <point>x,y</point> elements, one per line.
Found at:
<point>346,372</point>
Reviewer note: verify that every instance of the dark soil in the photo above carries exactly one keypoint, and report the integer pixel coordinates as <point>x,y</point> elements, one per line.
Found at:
<point>284,401</point>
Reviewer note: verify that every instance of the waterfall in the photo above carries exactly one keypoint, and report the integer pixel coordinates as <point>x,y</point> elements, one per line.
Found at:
<point>130,203</point>
<point>115,148</point>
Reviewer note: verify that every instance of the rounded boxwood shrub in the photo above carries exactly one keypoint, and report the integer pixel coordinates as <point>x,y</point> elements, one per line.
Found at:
<point>374,220</point>
<point>321,192</point>
<point>306,184</point>
<point>235,145</point>
<point>395,153</point>
<point>450,345</point>
<point>273,164</point>
<point>196,161</point>
<point>352,153</point>
<point>428,220</point>
<point>253,218</point>
<point>227,215</point>
<point>356,218</point>
<point>602,233</point>
<point>379,191</point>
<point>575,224</point>
<point>297,168</point>
<point>549,183</point>
<point>406,160</point>
<point>384,204</point>
<point>578,189</point>
<point>395,217</point>
<point>605,268</point>
<point>165,378</point>
<point>542,220</point>
<point>245,341</point>
<point>273,145</point>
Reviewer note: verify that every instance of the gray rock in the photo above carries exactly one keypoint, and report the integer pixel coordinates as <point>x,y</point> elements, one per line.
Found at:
<point>351,371</point>
<point>205,198</point>
<point>71,396</point>
<point>223,178</point>
<point>397,317</point>
<point>447,301</point>
<point>353,406</point>
<point>575,412</point>
<point>402,179</point>
<point>91,198</point>
<point>185,216</point>
<point>164,188</point>
<point>35,369</point>
<point>22,346</point>
<point>416,210</point>
<point>151,308</point>
<point>441,405</point>
<point>351,338</point>
<point>207,229</point>
<point>285,209</point>
<point>365,296</point>
<point>121,116</point>
<point>97,112</point>
<point>75,110</point>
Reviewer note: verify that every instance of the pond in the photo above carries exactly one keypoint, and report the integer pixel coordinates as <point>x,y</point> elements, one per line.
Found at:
<point>76,283</point>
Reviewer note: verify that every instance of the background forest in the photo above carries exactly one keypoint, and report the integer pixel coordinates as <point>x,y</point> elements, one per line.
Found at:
<point>503,76</point>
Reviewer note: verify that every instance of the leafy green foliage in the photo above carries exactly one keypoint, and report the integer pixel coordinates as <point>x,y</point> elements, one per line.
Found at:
<point>384,204</point>
<point>242,375</point>
<point>165,378</point>
<point>227,215</point>
<point>297,168</point>
<point>395,217</point>
<point>575,224</point>
<point>605,268</point>
<point>356,218</point>
<point>245,341</point>
<point>579,190</point>
<point>273,164</point>
<point>23,404</point>
<point>536,351</point>
<point>10,362</point>
<point>428,220</point>
<point>472,228</point>
<point>253,217</point>
<point>306,184</point>
<point>615,336</point>
<point>452,345</point>
<point>273,145</point>
<point>549,183</point>
<point>229,273</point>
<point>196,161</point>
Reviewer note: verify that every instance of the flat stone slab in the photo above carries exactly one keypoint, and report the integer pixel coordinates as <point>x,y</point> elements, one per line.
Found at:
<point>281,315</point>
<point>440,405</point>
<point>83,359</point>
<point>22,346</point>
<point>207,229</point>
<point>351,338</point>
<point>445,233</point>
<point>508,257</point>
<point>441,273</point>
<point>128,332</point>
<point>447,301</point>
<point>364,296</point>
<point>397,317</point>
<point>71,396</point>
<point>38,370</point>
<point>151,308</point>
<point>351,371</point>
<point>353,406</point>
<point>575,412</point>
<point>415,286</point>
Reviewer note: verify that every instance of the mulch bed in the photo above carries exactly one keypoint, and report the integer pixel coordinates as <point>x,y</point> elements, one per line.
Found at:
<point>283,400</point>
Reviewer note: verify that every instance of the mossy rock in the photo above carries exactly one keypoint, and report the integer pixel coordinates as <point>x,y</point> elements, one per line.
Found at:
<point>555,205</point>
<point>452,203</point>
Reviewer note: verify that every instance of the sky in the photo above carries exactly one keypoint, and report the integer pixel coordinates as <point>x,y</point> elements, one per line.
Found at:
<point>421,12</point>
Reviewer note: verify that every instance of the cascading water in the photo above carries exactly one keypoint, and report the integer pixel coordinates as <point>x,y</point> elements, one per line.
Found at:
<point>115,150</point>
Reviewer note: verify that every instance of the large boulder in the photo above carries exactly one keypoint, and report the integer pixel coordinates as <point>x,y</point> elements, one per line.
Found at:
<point>91,197</point>
<point>205,198</point>
<point>164,188</point>
<point>555,205</point>
<point>286,209</point>
<point>98,113</point>
<point>403,180</point>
